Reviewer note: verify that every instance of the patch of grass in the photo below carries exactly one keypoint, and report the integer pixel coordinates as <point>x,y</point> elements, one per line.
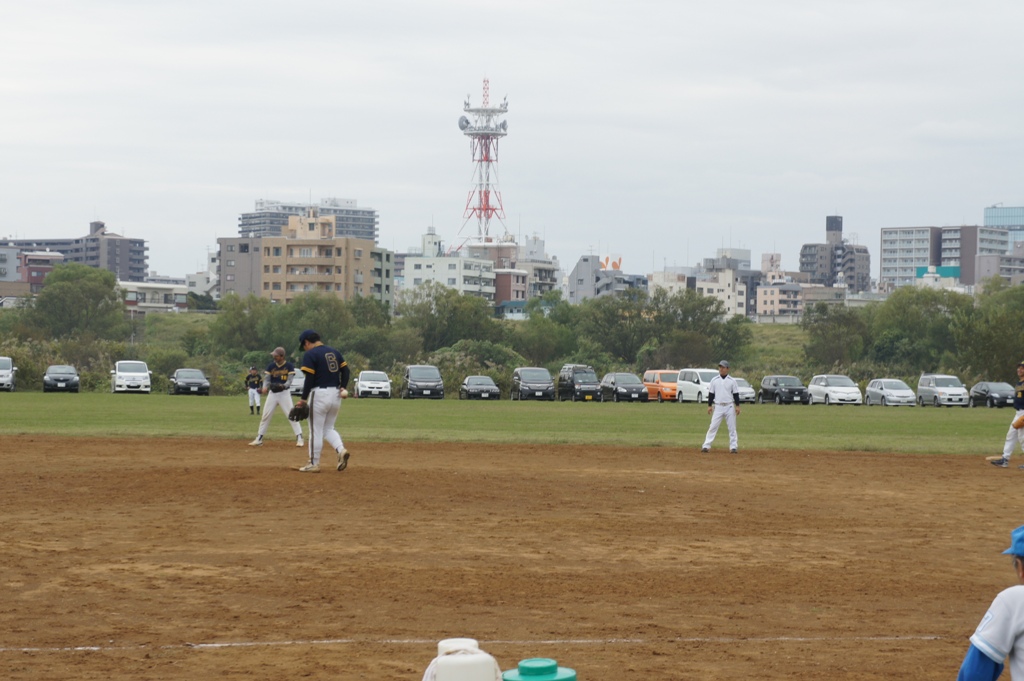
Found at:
<point>762,427</point>
<point>775,345</point>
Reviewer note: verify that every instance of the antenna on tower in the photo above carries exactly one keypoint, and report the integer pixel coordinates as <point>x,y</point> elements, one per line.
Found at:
<point>484,131</point>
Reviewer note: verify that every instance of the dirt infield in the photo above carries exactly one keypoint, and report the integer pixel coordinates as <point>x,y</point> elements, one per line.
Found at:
<point>202,559</point>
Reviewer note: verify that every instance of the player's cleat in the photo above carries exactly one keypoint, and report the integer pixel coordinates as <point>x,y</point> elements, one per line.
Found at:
<point>704,450</point>
<point>343,459</point>
<point>256,443</point>
<point>734,451</point>
<point>298,441</point>
<point>310,468</point>
<point>1001,463</point>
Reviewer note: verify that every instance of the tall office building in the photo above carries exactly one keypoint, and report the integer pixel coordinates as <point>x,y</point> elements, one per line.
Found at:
<point>905,251</point>
<point>837,260</point>
<point>1010,218</point>
<point>125,257</point>
<point>271,218</point>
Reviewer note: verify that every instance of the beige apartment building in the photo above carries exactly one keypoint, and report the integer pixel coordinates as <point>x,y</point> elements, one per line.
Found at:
<point>308,257</point>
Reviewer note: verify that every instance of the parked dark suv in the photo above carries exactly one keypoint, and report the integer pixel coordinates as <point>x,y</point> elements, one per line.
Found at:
<point>422,380</point>
<point>532,383</point>
<point>782,389</point>
<point>578,382</point>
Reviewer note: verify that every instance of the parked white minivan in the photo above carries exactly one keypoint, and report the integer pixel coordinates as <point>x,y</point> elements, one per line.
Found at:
<point>131,376</point>
<point>692,384</point>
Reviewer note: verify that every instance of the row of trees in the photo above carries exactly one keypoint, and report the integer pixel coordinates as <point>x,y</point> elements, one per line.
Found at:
<point>79,318</point>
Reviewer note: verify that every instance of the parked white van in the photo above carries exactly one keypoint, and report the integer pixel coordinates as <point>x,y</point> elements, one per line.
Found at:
<point>130,376</point>
<point>692,384</point>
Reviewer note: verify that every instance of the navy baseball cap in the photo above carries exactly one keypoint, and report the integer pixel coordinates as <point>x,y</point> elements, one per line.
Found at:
<point>723,363</point>
<point>306,335</point>
<point>1016,542</point>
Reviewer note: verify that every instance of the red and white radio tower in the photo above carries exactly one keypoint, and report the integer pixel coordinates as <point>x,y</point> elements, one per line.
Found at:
<point>484,131</point>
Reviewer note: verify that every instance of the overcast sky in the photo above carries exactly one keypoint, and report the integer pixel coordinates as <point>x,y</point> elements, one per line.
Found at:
<point>655,131</point>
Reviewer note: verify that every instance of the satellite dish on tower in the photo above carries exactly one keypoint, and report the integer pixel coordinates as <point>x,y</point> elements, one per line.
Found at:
<point>463,123</point>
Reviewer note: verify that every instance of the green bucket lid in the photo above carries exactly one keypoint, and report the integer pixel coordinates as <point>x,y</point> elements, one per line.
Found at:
<point>539,669</point>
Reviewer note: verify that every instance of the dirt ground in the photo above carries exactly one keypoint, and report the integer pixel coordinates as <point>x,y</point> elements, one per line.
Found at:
<point>207,559</point>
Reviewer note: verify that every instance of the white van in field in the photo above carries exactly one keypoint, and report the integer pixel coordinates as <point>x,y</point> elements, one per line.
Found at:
<point>692,384</point>
<point>131,376</point>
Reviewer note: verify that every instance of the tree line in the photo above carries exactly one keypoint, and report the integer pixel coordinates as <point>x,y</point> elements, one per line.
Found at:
<point>79,318</point>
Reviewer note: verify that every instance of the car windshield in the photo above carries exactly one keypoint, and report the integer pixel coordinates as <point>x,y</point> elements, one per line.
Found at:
<point>588,376</point>
<point>706,376</point>
<point>1000,387</point>
<point>190,373</point>
<point>132,367</point>
<point>627,379</point>
<point>5,363</point>
<point>60,369</point>
<point>373,376</point>
<point>894,385</point>
<point>841,382</point>
<point>742,382</point>
<point>667,377</point>
<point>424,374</point>
<point>535,375</point>
<point>790,381</point>
<point>948,382</point>
<point>480,380</point>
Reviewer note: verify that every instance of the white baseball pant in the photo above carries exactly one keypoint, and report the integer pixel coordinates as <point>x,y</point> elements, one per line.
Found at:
<point>282,401</point>
<point>324,404</point>
<point>254,397</point>
<point>1014,436</point>
<point>727,412</point>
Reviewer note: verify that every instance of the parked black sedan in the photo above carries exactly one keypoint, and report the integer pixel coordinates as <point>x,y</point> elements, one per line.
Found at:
<point>479,388</point>
<point>60,377</point>
<point>188,382</point>
<point>990,394</point>
<point>623,387</point>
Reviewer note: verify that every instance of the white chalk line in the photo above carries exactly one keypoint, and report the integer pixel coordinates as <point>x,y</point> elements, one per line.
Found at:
<point>541,642</point>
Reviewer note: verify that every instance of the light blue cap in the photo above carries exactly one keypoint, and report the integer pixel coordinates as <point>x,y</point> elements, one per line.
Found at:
<point>1016,542</point>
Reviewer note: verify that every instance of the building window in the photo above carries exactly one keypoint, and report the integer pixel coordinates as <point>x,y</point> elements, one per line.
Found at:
<point>417,281</point>
<point>277,251</point>
<point>452,266</point>
<point>359,252</point>
<point>243,248</point>
<point>231,248</point>
<point>230,263</point>
<point>417,266</point>
<point>305,252</point>
<point>277,269</point>
<point>229,277</point>
<point>266,286</point>
<point>276,286</point>
<point>266,269</point>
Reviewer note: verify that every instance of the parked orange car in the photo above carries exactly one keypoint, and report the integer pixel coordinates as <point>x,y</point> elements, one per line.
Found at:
<point>661,384</point>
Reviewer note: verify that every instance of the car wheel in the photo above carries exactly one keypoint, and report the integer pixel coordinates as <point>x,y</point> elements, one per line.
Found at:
<point>920,401</point>
<point>760,398</point>
<point>700,398</point>
<point>827,401</point>
<point>778,399</point>
<point>883,402</point>
<point>573,398</point>
<point>661,399</point>
<point>460,395</point>
<point>991,403</point>
<point>935,401</point>
<point>615,397</point>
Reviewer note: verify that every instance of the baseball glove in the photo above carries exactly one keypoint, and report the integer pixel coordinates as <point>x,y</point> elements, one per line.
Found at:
<point>300,412</point>
<point>278,387</point>
<point>1018,422</point>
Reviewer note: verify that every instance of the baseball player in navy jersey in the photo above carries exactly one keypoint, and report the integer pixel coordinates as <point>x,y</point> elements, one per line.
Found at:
<point>1015,435</point>
<point>275,386</point>
<point>724,403</point>
<point>326,385</point>
<point>1000,635</point>
<point>252,386</point>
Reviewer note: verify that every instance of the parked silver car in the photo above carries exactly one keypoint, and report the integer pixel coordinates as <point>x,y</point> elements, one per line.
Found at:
<point>941,390</point>
<point>373,384</point>
<point>889,392</point>
<point>747,393</point>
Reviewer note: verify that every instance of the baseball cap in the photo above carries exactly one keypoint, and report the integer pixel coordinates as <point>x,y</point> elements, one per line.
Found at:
<point>1016,542</point>
<point>252,368</point>
<point>278,351</point>
<point>723,363</point>
<point>1021,364</point>
<point>306,335</point>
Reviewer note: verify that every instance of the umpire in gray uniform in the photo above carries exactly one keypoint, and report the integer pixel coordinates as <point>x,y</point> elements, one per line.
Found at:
<point>723,403</point>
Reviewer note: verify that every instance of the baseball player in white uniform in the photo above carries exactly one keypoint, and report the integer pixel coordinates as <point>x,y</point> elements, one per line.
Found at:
<point>276,379</point>
<point>1000,635</point>
<point>723,403</point>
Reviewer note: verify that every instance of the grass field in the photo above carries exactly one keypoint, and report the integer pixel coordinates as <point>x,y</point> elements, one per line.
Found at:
<point>762,427</point>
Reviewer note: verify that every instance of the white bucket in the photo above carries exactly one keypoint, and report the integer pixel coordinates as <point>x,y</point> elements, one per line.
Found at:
<point>460,659</point>
<point>450,644</point>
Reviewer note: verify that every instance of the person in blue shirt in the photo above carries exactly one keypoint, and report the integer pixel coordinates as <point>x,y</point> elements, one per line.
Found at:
<point>1000,635</point>
<point>326,381</point>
